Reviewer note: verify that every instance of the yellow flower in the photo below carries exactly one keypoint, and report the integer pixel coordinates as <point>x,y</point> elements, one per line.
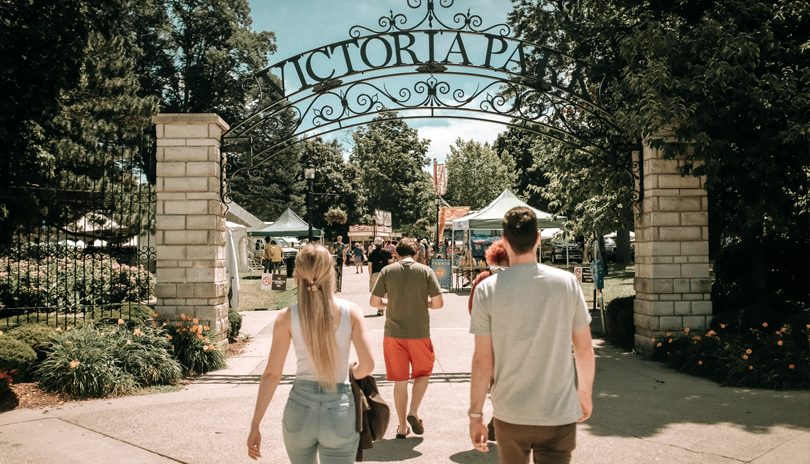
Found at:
<point>73,364</point>
<point>779,343</point>
<point>120,321</point>
<point>791,366</point>
<point>764,324</point>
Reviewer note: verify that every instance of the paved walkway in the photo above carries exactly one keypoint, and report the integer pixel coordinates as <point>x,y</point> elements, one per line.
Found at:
<point>643,412</point>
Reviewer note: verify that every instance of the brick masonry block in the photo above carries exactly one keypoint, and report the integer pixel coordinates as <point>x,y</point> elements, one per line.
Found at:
<point>167,275</point>
<point>696,322</point>
<point>167,169</point>
<point>202,142</point>
<point>186,237</point>
<point>701,285</point>
<point>670,296</point>
<point>185,131</point>
<point>165,290</point>
<point>647,322</point>
<point>185,154</point>
<point>662,260</point>
<point>701,308</point>
<point>671,322</point>
<point>694,218</point>
<point>185,290</point>
<point>205,222</point>
<point>695,270</point>
<point>663,308</point>
<point>202,169</point>
<point>680,259</point>
<point>186,184</point>
<point>677,203</point>
<point>676,181</point>
<point>695,248</point>
<point>666,271</point>
<point>186,207</point>
<point>665,248</point>
<point>683,308</point>
<point>682,285</point>
<point>642,306</point>
<point>171,222</point>
<point>679,233</point>
<point>657,218</point>
<point>171,252</point>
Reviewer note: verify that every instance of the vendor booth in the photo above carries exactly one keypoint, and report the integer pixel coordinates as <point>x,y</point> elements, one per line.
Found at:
<point>287,225</point>
<point>466,265</point>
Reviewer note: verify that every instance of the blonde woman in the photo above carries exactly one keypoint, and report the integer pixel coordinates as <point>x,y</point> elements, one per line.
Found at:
<point>319,418</point>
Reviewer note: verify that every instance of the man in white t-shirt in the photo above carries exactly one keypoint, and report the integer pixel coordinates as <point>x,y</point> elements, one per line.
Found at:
<point>525,320</point>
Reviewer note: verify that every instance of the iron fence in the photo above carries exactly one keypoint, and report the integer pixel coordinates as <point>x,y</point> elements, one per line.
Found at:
<point>86,247</point>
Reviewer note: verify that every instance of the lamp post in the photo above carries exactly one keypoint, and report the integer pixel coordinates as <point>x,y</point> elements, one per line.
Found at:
<point>438,202</point>
<point>309,174</point>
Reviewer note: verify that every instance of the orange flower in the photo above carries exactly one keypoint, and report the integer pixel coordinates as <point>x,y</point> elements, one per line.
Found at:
<point>155,314</point>
<point>199,336</point>
<point>745,356</point>
<point>205,347</point>
<point>764,324</point>
<point>686,330</point>
<point>183,317</point>
<point>1,332</point>
<point>750,368</point>
<point>195,320</point>
<point>137,332</point>
<point>748,351</point>
<point>129,342</point>
<point>710,333</point>
<point>670,340</point>
<point>210,347</point>
<point>722,326</point>
<point>791,366</point>
<point>178,324</point>
<point>659,344</point>
<point>120,321</point>
<point>73,364</point>
<point>207,328</point>
<point>58,329</point>
<point>169,337</point>
<point>669,334</point>
<point>700,362</point>
<point>779,343</point>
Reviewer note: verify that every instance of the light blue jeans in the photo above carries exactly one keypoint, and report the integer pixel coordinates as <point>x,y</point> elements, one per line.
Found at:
<point>320,423</point>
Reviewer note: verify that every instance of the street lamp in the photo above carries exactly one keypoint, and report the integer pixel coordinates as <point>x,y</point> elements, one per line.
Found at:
<point>438,202</point>
<point>309,174</point>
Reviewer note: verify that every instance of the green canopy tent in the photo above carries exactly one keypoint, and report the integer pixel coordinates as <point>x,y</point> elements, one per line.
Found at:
<point>287,225</point>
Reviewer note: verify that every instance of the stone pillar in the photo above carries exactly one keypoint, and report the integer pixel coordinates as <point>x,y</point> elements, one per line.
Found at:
<point>191,220</point>
<point>673,289</point>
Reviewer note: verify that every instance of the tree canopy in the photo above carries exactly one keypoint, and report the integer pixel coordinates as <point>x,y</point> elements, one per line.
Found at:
<point>476,175</point>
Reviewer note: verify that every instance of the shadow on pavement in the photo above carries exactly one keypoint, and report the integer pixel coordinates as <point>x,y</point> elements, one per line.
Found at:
<point>392,450</point>
<point>473,456</point>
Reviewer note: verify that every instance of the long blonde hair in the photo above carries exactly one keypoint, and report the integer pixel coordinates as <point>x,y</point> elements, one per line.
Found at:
<point>315,279</point>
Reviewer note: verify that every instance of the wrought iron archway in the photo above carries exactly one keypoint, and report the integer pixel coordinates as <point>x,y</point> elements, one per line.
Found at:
<point>345,84</point>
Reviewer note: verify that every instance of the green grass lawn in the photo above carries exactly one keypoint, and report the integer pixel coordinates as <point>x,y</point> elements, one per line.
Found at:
<point>252,297</point>
<point>618,284</point>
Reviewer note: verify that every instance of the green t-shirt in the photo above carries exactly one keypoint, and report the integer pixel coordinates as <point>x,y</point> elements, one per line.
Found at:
<point>408,285</point>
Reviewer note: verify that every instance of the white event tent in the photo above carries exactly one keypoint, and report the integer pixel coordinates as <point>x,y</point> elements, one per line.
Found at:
<point>491,216</point>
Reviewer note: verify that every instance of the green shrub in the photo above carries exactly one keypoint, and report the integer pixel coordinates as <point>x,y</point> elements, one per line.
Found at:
<point>145,352</point>
<point>16,358</point>
<point>81,362</point>
<point>764,357</point>
<point>37,336</point>
<point>5,384</point>
<point>193,346</point>
<point>234,324</point>
<point>69,277</point>
<point>619,323</point>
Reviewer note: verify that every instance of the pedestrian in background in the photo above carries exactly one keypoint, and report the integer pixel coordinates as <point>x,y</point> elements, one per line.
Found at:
<point>412,288</point>
<point>319,418</point>
<point>377,260</point>
<point>358,256</point>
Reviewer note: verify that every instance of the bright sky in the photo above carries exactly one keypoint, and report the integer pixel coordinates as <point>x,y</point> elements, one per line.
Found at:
<point>302,25</point>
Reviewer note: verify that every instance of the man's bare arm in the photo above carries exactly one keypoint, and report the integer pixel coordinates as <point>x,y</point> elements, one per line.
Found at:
<point>586,369</point>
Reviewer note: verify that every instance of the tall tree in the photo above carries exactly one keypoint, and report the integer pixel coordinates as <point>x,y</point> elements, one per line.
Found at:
<point>730,77</point>
<point>390,158</point>
<point>517,145</point>
<point>476,175</point>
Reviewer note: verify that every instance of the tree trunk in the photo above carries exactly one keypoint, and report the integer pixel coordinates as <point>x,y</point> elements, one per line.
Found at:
<point>622,249</point>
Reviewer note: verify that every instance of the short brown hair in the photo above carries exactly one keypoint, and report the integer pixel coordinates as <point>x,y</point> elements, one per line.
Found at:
<point>407,247</point>
<point>520,229</point>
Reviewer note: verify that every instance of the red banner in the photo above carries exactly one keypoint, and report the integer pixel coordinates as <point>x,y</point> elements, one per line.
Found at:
<point>449,214</point>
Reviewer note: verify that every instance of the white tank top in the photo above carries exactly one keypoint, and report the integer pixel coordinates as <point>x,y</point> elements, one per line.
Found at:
<point>343,336</point>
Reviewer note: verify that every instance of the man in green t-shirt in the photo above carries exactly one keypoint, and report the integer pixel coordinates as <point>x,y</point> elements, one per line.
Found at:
<point>412,288</point>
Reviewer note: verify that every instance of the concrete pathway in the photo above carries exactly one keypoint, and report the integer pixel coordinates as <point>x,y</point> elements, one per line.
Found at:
<point>643,412</point>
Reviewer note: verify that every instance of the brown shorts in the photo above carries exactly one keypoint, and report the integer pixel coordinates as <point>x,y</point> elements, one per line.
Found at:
<point>404,356</point>
<point>550,444</point>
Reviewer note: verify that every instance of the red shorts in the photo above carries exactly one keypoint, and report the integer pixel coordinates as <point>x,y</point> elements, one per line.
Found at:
<point>404,355</point>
